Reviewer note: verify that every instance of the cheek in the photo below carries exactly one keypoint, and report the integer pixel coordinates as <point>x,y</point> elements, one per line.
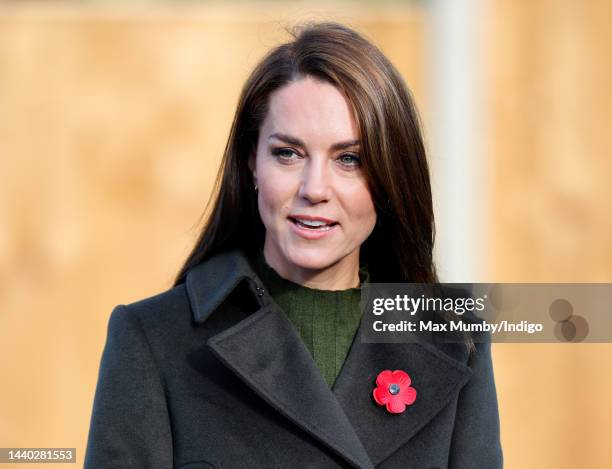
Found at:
<point>273,199</point>
<point>361,209</point>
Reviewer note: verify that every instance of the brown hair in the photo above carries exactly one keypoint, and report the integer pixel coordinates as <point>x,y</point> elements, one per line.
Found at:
<point>392,153</point>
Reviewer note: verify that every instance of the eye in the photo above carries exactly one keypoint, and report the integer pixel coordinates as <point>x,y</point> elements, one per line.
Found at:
<point>285,155</point>
<point>349,159</point>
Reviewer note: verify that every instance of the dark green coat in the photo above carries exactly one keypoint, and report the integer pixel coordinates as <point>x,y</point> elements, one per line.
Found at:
<point>212,374</point>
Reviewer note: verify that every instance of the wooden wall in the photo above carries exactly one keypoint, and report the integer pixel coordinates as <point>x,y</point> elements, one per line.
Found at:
<point>549,70</point>
<point>112,122</point>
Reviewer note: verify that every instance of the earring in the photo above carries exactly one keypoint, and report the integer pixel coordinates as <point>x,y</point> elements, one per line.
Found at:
<point>255,186</point>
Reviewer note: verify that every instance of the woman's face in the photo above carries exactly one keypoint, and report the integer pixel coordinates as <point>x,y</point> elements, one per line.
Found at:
<point>312,195</point>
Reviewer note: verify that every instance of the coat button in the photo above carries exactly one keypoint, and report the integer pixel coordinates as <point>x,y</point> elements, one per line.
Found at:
<point>260,291</point>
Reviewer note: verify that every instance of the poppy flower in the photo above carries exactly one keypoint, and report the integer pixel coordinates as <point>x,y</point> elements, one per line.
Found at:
<point>393,390</point>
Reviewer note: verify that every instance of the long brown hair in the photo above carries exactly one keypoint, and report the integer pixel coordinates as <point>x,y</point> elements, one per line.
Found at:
<point>400,249</point>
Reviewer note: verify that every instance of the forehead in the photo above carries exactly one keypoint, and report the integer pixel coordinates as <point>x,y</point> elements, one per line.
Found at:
<point>310,109</point>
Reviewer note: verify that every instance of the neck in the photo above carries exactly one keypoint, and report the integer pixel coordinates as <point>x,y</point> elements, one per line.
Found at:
<point>341,275</point>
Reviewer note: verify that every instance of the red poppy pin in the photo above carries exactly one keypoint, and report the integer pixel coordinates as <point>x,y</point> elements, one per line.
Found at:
<point>393,390</point>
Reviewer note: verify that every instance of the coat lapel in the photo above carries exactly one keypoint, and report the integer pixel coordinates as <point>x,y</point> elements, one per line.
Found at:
<point>435,376</point>
<point>266,352</point>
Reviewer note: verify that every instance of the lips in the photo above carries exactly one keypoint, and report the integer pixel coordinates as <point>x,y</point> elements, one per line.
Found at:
<point>312,223</point>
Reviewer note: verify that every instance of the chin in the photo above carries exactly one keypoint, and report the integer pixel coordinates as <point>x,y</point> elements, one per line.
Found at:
<point>312,258</point>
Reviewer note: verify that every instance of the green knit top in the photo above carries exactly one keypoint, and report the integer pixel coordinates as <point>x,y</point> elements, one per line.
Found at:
<point>327,320</point>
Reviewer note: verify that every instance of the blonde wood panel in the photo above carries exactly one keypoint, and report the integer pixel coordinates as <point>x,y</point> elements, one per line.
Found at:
<point>112,124</point>
<point>550,102</point>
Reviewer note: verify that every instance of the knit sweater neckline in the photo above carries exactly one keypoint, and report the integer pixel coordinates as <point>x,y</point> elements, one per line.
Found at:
<point>326,320</point>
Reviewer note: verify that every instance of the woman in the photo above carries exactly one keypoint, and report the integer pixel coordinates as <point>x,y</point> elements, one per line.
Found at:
<point>251,359</point>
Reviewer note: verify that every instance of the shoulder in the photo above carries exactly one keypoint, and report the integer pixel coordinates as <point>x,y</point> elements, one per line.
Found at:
<point>205,290</point>
<point>159,314</point>
<point>163,306</point>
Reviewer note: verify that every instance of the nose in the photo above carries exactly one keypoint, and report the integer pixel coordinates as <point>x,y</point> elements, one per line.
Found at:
<point>315,185</point>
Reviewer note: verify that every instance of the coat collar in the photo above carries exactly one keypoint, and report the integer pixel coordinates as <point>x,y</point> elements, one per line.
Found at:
<point>211,282</point>
<point>283,373</point>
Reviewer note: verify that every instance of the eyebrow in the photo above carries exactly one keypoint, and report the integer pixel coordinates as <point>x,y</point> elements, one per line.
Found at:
<point>296,141</point>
